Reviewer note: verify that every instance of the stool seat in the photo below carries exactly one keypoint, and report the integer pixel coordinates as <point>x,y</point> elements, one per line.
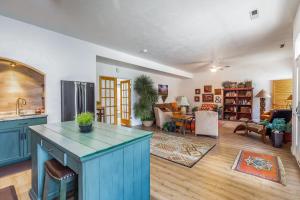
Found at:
<point>57,170</point>
<point>60,174</point>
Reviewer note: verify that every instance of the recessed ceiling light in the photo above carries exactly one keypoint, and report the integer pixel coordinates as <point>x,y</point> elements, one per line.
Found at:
<point>12,64</point>
<point>213,69</point>
<point>254,14</point>
<point>145,51</point>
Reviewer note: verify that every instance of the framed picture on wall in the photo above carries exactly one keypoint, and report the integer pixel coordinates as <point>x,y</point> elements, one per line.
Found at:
<point>207,88</point>
<point>197,91</point>
<point>162,90</point>
<point>207,98</point>
<point>218,91</point>
<point>196,98</point>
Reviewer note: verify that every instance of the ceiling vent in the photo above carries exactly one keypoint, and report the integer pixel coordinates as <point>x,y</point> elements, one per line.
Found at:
<point>254,14</point>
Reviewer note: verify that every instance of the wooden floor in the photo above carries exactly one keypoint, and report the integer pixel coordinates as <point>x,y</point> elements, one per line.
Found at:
<point>211,178</point>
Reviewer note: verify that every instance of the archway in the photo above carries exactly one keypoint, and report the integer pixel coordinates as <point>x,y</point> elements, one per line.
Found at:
<point>18,80</point>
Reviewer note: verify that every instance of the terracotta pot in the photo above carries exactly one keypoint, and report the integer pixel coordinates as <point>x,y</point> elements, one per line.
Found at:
<point>147,123</point>
<point>287,137</point>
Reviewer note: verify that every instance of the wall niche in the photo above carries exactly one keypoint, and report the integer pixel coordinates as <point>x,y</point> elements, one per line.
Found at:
<point>20,81</point>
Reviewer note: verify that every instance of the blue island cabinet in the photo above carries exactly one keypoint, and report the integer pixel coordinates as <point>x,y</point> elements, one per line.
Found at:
<point>15,139</point>
<point>112,162</point>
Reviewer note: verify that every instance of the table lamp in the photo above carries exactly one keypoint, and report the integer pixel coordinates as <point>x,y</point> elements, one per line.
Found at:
<point>262,95</point>
<point>183,104</point>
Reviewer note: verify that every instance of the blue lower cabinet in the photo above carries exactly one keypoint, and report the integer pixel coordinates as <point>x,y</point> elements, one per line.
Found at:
<point>11,145</point>
<point>15,139</point>
<point>27,142</point>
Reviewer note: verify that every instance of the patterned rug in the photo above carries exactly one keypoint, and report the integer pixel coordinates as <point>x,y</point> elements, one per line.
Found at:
<point>261,165</point>
<point>183,151</point>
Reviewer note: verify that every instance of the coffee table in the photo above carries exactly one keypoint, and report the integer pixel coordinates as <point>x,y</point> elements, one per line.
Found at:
<point>183,120</point>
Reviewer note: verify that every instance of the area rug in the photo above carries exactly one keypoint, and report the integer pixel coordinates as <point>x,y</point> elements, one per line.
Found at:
<point>181,150</point>
<point>8,193</point>
<point>261,165</point>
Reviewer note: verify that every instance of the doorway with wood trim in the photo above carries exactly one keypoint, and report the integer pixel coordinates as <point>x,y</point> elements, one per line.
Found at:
<point>115,99</point>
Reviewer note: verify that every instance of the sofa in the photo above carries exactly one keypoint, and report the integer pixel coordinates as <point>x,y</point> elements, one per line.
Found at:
<point>162,117</point>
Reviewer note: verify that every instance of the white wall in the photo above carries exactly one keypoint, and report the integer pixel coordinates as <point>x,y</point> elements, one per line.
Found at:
<point>261,73</point>
<point>296,31</point>
<point>119,71</point>
<point>60,57</point>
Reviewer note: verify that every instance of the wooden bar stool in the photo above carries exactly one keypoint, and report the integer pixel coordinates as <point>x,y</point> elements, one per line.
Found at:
<point>60,174</point>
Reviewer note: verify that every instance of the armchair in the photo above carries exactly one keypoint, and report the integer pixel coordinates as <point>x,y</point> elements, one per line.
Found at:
<point>162,117</point>
<point>206,123</point>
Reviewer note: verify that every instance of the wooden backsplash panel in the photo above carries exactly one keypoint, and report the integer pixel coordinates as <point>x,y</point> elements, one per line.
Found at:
<point>20,82</point>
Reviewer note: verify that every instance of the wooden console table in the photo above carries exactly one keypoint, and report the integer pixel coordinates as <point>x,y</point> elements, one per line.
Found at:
<point>183,120</point>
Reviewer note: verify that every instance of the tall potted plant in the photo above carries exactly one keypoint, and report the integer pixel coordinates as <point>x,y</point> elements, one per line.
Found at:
<point>147,96</point>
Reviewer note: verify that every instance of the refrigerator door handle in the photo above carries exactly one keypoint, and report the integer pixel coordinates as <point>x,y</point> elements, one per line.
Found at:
<point>85,97</point>
<point>75,99</point>
<point>79,98</point>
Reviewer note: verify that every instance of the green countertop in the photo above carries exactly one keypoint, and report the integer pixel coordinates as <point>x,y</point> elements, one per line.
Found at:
<point>103,137</point>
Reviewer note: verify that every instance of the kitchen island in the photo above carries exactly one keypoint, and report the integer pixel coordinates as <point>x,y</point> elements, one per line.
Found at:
<point>112,162</point>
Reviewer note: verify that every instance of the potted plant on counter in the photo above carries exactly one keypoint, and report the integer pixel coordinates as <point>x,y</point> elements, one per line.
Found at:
<point>147,96</point>
<point>278,127</point>
<point>85,122</point>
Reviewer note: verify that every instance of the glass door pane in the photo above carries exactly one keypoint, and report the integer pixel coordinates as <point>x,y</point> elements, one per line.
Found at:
<point>125,102</point>
<point>108,99</point>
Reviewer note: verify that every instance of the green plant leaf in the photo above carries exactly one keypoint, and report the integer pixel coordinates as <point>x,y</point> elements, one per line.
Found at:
<point>147,96</point>
<point>84,119</point>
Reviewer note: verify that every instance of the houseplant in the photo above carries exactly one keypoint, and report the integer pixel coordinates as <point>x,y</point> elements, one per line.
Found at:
<point>248,84</point>
<point>241,85</point>
<point>194,109</point>
<point>226,84</point>
<point>85,122</point>
<point>278,126</point>
<point>147,96</point>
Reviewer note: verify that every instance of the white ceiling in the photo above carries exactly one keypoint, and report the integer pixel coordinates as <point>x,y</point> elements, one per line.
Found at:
<point>180,33</point>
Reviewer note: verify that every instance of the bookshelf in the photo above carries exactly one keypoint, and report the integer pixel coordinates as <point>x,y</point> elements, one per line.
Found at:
<point>237,103</point>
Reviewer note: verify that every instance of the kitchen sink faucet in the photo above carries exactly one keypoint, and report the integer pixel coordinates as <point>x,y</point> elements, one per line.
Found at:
<point>19,103</point>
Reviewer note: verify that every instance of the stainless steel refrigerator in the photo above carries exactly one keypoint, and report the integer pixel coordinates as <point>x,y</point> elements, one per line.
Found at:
<point>76,97</point>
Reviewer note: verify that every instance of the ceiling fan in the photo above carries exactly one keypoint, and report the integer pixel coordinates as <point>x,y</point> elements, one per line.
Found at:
<point>213,66</point>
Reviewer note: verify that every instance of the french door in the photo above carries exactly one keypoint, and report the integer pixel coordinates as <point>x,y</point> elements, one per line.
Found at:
<point>296,112</point>
<point>125,104</point>
<point>108,98</point>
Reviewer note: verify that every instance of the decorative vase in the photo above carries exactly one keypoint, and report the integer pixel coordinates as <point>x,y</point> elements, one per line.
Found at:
<point>183,110</point>
<point>148,123</point>
<point>85,128</point>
